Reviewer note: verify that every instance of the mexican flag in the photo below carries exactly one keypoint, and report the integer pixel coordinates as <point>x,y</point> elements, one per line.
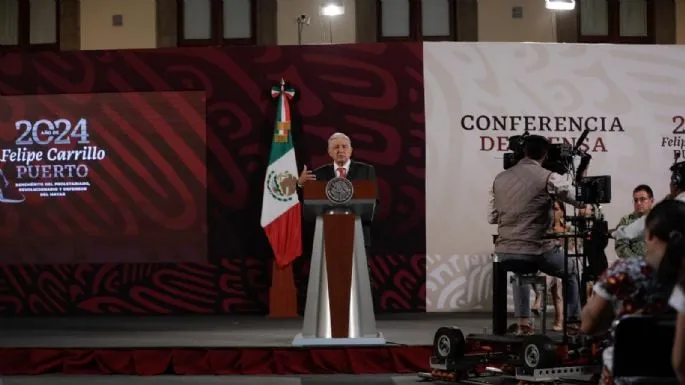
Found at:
<point>281,215</point>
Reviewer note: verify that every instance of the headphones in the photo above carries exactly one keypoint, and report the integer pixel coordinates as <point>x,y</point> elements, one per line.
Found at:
<point>678,175</point>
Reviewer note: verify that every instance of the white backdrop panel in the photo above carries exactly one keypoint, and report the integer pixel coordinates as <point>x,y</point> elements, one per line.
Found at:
<point>633,97</point>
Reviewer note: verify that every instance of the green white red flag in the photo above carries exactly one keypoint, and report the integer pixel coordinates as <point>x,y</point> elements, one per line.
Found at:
<point>281,214</point>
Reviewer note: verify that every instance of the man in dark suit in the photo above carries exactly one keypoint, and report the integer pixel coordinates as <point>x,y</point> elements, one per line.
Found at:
<point>340,150</point>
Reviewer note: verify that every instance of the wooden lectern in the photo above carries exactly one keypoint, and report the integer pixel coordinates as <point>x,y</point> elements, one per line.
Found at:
<point>339,308</point>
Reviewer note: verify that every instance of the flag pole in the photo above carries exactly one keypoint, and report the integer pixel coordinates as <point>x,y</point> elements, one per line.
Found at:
<point>283,292</point>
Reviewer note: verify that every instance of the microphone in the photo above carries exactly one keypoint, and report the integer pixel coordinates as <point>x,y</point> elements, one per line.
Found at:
<point>581,139</point>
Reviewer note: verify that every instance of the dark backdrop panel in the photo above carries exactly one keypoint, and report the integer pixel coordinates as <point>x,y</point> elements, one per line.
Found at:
<point>374,93</point>
<point>103,178</point>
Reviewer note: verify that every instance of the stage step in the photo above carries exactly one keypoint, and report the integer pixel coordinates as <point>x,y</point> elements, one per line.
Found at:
<point>340,379</point>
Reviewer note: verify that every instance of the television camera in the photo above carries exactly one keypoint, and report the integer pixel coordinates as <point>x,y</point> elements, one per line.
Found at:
<point>559,156</point>
<point>594,190</point>
<point>539,357</point>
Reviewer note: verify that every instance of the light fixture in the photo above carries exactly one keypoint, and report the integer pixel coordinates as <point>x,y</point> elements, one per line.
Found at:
<point>560,5</point>
<point>302,21</point>
<point>332,8</point>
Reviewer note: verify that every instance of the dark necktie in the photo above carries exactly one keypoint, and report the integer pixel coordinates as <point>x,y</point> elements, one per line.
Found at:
<point>341,172</point>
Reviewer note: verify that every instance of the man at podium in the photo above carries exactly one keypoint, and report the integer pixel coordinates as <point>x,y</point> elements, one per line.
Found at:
<point>340,198</point>
<point>340,150</point>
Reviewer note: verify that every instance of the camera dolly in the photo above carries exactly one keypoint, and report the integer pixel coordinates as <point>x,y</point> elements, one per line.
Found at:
<point>531,359</point>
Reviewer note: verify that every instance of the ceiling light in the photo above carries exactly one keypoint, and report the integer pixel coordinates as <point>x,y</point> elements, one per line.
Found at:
<point>560,5</point>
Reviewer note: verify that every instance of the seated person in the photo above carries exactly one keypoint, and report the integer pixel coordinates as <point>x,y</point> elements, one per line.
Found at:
<point>637,285</point>
<point>677,301</point>
<point>675,249</point>
<point>520,204</point>
<point>643,199</point>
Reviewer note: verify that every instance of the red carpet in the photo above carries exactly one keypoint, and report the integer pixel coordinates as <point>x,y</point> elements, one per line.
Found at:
<point>255,361</point>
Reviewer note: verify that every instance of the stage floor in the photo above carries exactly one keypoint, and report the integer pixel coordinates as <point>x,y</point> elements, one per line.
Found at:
<point>56,351</point>
<point>209,331</point>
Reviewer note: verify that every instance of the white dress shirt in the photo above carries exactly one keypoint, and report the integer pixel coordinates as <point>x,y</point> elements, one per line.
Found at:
<point>346,166</point>
<point>558,185</point>
<point>637,229</point>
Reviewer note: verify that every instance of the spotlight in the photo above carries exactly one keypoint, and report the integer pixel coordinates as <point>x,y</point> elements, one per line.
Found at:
<point>560,5</point>
<point>332,8</point>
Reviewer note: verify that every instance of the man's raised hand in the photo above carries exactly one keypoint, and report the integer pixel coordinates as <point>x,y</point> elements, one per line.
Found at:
<point>305,176</point>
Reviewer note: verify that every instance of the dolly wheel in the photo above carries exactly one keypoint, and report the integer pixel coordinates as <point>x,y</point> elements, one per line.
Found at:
<point>449,342</point>
<point>539,352</point>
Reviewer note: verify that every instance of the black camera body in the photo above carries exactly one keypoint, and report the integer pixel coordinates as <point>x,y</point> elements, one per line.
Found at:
<point>592,190</point>
<point>595,190</point>
<point>559,156</point>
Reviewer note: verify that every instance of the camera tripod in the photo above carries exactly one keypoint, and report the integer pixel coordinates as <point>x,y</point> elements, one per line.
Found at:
<point>590,240</point>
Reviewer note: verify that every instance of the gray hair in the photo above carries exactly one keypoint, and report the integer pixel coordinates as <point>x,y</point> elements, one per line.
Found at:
<point>340,135</point>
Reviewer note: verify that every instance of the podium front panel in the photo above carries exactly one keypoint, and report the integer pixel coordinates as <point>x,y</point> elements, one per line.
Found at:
<point>320,325</point>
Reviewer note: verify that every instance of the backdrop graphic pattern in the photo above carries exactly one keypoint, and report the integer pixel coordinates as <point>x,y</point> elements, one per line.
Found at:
<point>372,92</point>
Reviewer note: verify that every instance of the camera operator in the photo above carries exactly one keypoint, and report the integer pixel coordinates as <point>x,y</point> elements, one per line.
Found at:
<point>677,186</point>
<point>521,203</point>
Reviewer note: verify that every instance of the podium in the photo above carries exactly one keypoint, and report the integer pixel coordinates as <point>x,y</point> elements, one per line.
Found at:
<point>339,307</point>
